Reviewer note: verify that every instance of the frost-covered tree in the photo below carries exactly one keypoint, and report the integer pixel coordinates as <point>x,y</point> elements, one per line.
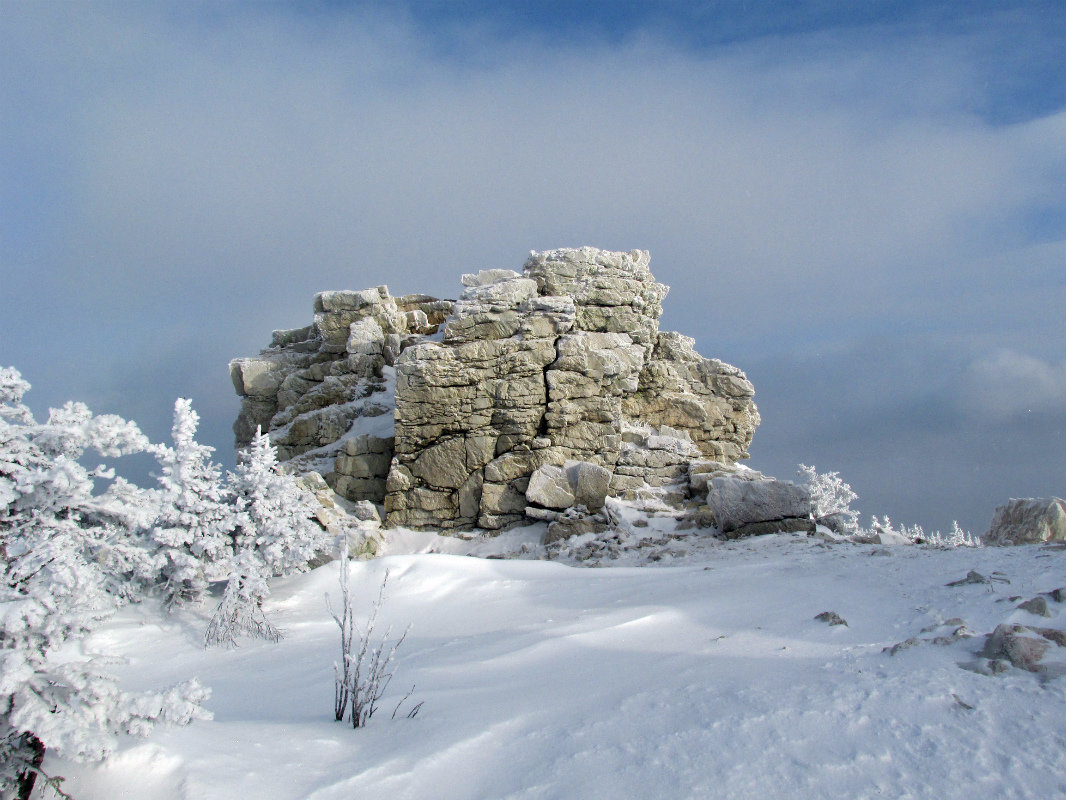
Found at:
<point>957,537</point>
<point>831,498</point>
<point>241,610</point>
<point>276,533</point>
<point>191,532</point>
<point>881,526</point>
<point>67,561</point>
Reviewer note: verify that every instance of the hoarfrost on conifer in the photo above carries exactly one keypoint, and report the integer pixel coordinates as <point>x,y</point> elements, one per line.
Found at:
<point>191,531</point>
<point>275,533</point>
<point>68,561</point>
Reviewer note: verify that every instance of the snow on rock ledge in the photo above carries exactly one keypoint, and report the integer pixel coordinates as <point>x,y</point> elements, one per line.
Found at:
<point>563,362</point>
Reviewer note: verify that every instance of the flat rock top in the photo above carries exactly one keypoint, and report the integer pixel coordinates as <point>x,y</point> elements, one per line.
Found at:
<point>634,261</point>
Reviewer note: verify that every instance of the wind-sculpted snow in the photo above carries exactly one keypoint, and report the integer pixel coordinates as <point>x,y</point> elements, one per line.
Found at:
<point>711,678</point>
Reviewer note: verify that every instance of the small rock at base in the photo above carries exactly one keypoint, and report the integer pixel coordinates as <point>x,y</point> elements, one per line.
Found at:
<point>831,617</point>
<point>1037,605</point>
<point>1010,641</point>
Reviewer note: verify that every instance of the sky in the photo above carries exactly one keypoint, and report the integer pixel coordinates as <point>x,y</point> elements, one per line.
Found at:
<point>860,204</point>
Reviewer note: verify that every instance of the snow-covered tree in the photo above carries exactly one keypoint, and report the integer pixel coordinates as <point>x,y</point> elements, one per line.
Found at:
<point>67,561</point>
<point>831,498</point>
<point>191,533</point>
<point>276,533</point>
<point>241,610</point>
<point>956,538</point>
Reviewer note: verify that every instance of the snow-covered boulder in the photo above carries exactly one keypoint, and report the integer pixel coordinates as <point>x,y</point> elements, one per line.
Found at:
<point>1028,521</point>
<point>744,507</point>
<point>1020,645</point>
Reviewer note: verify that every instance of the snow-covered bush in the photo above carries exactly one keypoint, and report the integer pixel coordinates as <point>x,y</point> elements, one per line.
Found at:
<point>68,560</point>
<point>275,533</point>
<point>956,538</point>
<point>885,526</point>
<point>191,531</point>
<point>241,609</point>
<point>831,498</point>
<point>366,666</point>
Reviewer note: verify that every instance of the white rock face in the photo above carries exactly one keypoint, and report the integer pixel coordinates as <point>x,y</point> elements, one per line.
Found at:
<point>548,367</point>
<point>1028,521</point>
<point>527,370</point>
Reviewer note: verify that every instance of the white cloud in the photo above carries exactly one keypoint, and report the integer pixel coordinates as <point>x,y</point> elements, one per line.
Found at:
<point>193,177</point>
<point>276,155</point>
<point>307,156</point>
<point>1006,383</point>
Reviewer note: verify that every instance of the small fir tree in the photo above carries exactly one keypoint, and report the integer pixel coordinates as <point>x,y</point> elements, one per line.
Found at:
<point>241,610</point>
<point>276,533</point>
<point>191,533</point>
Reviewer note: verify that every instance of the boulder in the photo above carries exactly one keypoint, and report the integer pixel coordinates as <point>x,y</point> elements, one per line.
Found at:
<point>1028,521</point>
<point>745,507</point>
<point>589,482</point>
<point>1014,643</point>
<point>549,486</point>
<point>1036,605</point>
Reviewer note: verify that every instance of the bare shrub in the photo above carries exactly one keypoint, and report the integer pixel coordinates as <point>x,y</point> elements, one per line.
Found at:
<point>366,667</point>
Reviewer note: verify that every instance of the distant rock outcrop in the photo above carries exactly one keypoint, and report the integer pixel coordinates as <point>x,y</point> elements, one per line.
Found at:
<point>452,413</point>
<point>1028,521</point>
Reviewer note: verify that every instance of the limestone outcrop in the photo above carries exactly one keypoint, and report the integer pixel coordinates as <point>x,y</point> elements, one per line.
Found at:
<point>1031,520</point>
<point>533,388</point>
<point>325,393</point>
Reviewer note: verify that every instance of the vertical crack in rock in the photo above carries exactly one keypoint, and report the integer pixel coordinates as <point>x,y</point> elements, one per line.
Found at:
<point>561,362</point>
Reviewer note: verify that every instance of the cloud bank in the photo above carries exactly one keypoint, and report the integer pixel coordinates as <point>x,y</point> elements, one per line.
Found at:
<point>837,202</point>
<point>1007,383</point>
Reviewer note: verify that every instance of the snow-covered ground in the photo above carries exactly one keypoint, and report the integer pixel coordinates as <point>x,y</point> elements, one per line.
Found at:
<point>705,677</point>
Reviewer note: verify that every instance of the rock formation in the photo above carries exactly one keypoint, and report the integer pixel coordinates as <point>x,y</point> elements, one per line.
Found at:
<point>549,386</point>
<point>1028,521</point>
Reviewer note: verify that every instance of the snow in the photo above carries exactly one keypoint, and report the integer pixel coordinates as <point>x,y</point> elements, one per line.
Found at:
<point>372,416</point>
<point>709,677</point>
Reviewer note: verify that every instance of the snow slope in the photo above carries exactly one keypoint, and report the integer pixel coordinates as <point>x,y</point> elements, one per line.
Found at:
<point>708,679</point>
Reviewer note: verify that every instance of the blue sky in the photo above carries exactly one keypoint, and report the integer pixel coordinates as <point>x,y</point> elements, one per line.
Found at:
<point>861,204</point>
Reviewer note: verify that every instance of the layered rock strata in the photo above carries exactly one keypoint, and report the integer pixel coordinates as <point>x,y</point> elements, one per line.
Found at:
<point>560,365</point>
<point>325,393</point>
